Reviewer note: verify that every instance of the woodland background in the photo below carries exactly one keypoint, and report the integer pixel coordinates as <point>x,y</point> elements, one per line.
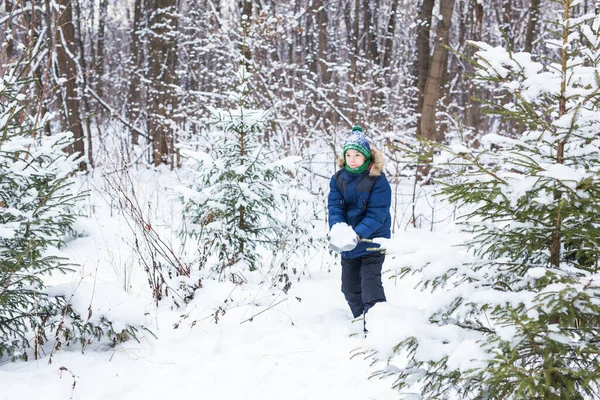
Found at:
<point>139,136</point>
<point>142,72</point>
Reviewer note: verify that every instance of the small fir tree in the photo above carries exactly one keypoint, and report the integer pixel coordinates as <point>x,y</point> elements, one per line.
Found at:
<point>34,214</point>
<point>240,202</point>
<point>525,317</point>
<point>37,204</point>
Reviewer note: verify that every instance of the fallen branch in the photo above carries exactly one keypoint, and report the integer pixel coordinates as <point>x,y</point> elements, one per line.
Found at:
<point>271,306</point>
<point>117,115</point>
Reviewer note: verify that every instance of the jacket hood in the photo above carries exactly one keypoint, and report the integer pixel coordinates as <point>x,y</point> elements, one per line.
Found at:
<point>376,161</point>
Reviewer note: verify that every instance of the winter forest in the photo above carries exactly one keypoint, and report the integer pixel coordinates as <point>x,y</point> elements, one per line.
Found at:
<point>165,166</point>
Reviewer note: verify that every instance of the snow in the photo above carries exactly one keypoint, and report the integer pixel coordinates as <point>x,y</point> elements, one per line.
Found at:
<point>465,353</point>
<point>249,341</point>
<point>288,163</point>
<point>268,358</point>
<point>261,345</point>
<point>6,231</point>
<point>342,236</point>
<point>265,346</point>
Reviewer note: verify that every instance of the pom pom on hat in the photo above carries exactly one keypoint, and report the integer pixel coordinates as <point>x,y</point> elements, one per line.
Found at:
<point>357,141</point>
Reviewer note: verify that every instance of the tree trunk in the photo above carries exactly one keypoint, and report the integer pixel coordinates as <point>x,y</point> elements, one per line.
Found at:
<point>532,25</point>
<point>67,70</point>
<point>370,44</point>
<point>434,78</point>
<point>355,40</point>
<point>388,47</point>
<point>473,107</point>
<point>9,8</point>
<point>100,48</point>
<point>163,48</point>
<point>479,17</point>
<point>354,55</point>
<point>43,72</point>
<point>423,53</point>
<point>134,95</point>
<point>316,36</point>
<point>321,22</point>
<point>85,103</point>
<point>555,246</point>
<point>507,22</point>
<point>246,21</point>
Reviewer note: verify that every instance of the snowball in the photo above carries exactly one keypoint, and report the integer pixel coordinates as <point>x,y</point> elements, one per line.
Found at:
<point>341,235</point>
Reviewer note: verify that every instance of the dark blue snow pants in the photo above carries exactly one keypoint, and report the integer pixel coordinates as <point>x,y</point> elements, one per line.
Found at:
<point>361,282</point>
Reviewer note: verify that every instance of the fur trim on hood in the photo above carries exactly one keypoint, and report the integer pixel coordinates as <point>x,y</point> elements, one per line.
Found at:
<point>376,161</point>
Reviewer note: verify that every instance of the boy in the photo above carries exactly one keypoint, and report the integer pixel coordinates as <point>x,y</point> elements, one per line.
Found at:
<point>359,208</point>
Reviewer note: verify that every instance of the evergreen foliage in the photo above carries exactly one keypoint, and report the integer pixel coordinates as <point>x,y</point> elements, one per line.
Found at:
<point>34,197</point>
<point>525,315</point>
<point>241,203</point>
<point>36,212</point>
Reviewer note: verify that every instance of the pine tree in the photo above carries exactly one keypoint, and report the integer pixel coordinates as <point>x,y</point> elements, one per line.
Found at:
<point>241,202</point>
<point>524,317</point>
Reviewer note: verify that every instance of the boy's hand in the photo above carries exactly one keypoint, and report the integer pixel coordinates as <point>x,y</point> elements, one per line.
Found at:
<point>347,247</point>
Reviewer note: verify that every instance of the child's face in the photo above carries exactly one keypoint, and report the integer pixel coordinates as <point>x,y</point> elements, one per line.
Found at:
<point>354,159</point>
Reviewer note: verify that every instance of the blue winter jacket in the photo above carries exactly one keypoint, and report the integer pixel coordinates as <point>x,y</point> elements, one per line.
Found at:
<point>368,213</point>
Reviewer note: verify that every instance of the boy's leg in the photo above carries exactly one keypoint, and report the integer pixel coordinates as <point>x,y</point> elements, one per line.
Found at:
<point>351,286</point>
<point>372,287</point>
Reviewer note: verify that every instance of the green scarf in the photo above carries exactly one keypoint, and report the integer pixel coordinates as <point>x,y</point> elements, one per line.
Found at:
<point>358,170</point>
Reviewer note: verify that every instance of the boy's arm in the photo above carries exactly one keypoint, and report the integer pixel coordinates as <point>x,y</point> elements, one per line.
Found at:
<point>335,204</point>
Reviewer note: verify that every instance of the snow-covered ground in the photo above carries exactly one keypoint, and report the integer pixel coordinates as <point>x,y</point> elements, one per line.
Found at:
<point>265,346</point>
<point>299,350</point>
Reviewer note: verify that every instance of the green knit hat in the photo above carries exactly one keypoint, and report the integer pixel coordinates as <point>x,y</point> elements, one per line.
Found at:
<point>357,141</point>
